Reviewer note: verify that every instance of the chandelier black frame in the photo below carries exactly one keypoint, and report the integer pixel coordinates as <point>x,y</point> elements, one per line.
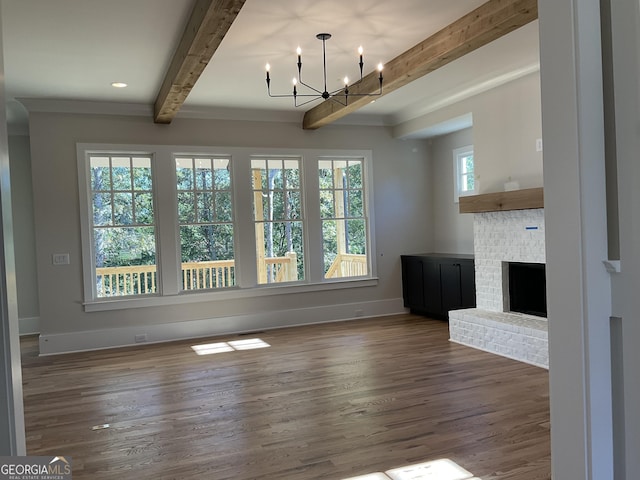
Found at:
<point>336,95</point>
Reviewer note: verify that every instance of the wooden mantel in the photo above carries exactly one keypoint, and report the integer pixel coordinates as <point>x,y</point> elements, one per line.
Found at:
<point>503,201</point>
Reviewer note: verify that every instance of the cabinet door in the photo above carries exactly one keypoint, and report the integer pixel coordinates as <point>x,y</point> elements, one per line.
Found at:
<point>468,284</point>
<point>432,288</point>
<point>412,283</point>
<point>451,289</point>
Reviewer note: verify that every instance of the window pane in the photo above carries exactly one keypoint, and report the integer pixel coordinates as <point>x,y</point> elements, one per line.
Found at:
<point>144,208</point>
<point>326,176</point>
<point>354,173</point>
<point>186,210</point>
<point>207,256</point>
<point>355,208</point>
<point>326,204</point>
<point>223,207</point>
<point>184,173</point>
<point>203,174</point>
<point>275,176</point>
<point>468,163</point>
<point>125,261</point>
<point>121,173</point>
<point>222,174</point>
<point>469,183</point>
<point>278,206</point>
<point>122,208</point>
<point>102,209</point>
<point>205,207</point>
<point>294,205</point>
<point>280,253</point>
<point>356,237</point>
<point>142,173</point>
<point>292,175</point>
<point>330,243</point>
<point>100,173</point>
<point>206,243</point>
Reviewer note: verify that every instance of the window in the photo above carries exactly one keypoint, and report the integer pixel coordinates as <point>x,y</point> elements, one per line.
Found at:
<point>342,210</point>
<point>123,225</point>
<point>164,225</point>
<point>277,211</point>
<point>206,222</point>
<point>464,172</point>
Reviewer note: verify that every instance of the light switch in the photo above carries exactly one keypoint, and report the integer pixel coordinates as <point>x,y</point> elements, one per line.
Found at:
<point>60,259</point>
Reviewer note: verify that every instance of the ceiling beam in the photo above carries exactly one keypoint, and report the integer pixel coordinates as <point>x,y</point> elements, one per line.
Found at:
<point>483,25</point>
<point>209,22</point>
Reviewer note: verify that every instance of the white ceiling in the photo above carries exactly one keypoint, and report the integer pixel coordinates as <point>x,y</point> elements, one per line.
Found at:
<point>71,50</point>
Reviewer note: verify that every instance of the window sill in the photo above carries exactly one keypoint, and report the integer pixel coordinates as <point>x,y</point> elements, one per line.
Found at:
<point>226,294</point>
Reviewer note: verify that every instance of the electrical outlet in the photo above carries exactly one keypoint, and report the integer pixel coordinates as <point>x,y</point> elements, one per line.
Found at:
<point>359,313</point>
<point>141,338</point>
<point>538,145</point>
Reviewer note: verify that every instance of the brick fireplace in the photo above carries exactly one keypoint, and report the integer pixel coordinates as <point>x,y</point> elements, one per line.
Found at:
<point>501,237</point>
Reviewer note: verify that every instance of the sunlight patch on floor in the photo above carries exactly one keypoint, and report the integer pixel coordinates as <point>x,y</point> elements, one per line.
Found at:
<point>442,469</point>
<point>231,346</point>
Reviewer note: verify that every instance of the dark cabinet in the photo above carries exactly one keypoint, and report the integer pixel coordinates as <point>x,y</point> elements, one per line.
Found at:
<point>433,284</point>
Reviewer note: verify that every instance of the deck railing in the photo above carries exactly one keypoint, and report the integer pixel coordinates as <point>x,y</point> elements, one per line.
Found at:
<point>142,279</point>
<point>347,265</point>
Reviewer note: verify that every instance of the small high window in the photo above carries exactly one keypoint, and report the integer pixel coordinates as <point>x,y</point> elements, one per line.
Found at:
<point>464,172</point>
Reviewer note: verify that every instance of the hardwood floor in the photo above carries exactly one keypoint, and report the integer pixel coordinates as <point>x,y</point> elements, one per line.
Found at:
<point>322,402</point>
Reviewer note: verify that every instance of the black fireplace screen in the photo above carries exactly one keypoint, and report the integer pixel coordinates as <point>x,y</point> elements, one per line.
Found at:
<point>527,288</point>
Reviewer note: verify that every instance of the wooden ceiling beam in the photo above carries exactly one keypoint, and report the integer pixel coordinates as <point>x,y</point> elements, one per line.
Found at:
<point>483,25</point>
<point>209,22</point>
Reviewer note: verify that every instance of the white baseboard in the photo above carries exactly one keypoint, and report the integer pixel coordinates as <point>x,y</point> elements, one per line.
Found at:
<point>125,336</point>
<point>29,325</point>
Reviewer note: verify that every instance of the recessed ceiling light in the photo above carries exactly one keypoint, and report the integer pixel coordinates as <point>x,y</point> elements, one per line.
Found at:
<point>118,84</point>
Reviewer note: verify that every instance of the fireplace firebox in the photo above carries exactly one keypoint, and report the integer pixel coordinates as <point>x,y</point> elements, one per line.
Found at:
<point>527,288</point>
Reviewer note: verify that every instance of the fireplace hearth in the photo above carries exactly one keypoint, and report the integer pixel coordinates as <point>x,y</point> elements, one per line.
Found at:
<point>512,325</point>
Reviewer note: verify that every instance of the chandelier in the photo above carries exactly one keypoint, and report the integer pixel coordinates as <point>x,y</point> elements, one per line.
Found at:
<point>340,95</point>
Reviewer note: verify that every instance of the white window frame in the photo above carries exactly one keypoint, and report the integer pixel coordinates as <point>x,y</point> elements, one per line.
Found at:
<point>167,234</point>
<point>195,191</point>
<point>86,212</point>
<point>458,155</point>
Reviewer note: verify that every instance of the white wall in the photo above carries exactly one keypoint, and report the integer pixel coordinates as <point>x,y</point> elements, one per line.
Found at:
<point>506,123</point>
<point>452,231</point>
<point>402,207</point>
<point>23,233</point>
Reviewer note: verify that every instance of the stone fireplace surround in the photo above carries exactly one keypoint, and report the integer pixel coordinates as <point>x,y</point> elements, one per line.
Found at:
<point>501,237</point>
